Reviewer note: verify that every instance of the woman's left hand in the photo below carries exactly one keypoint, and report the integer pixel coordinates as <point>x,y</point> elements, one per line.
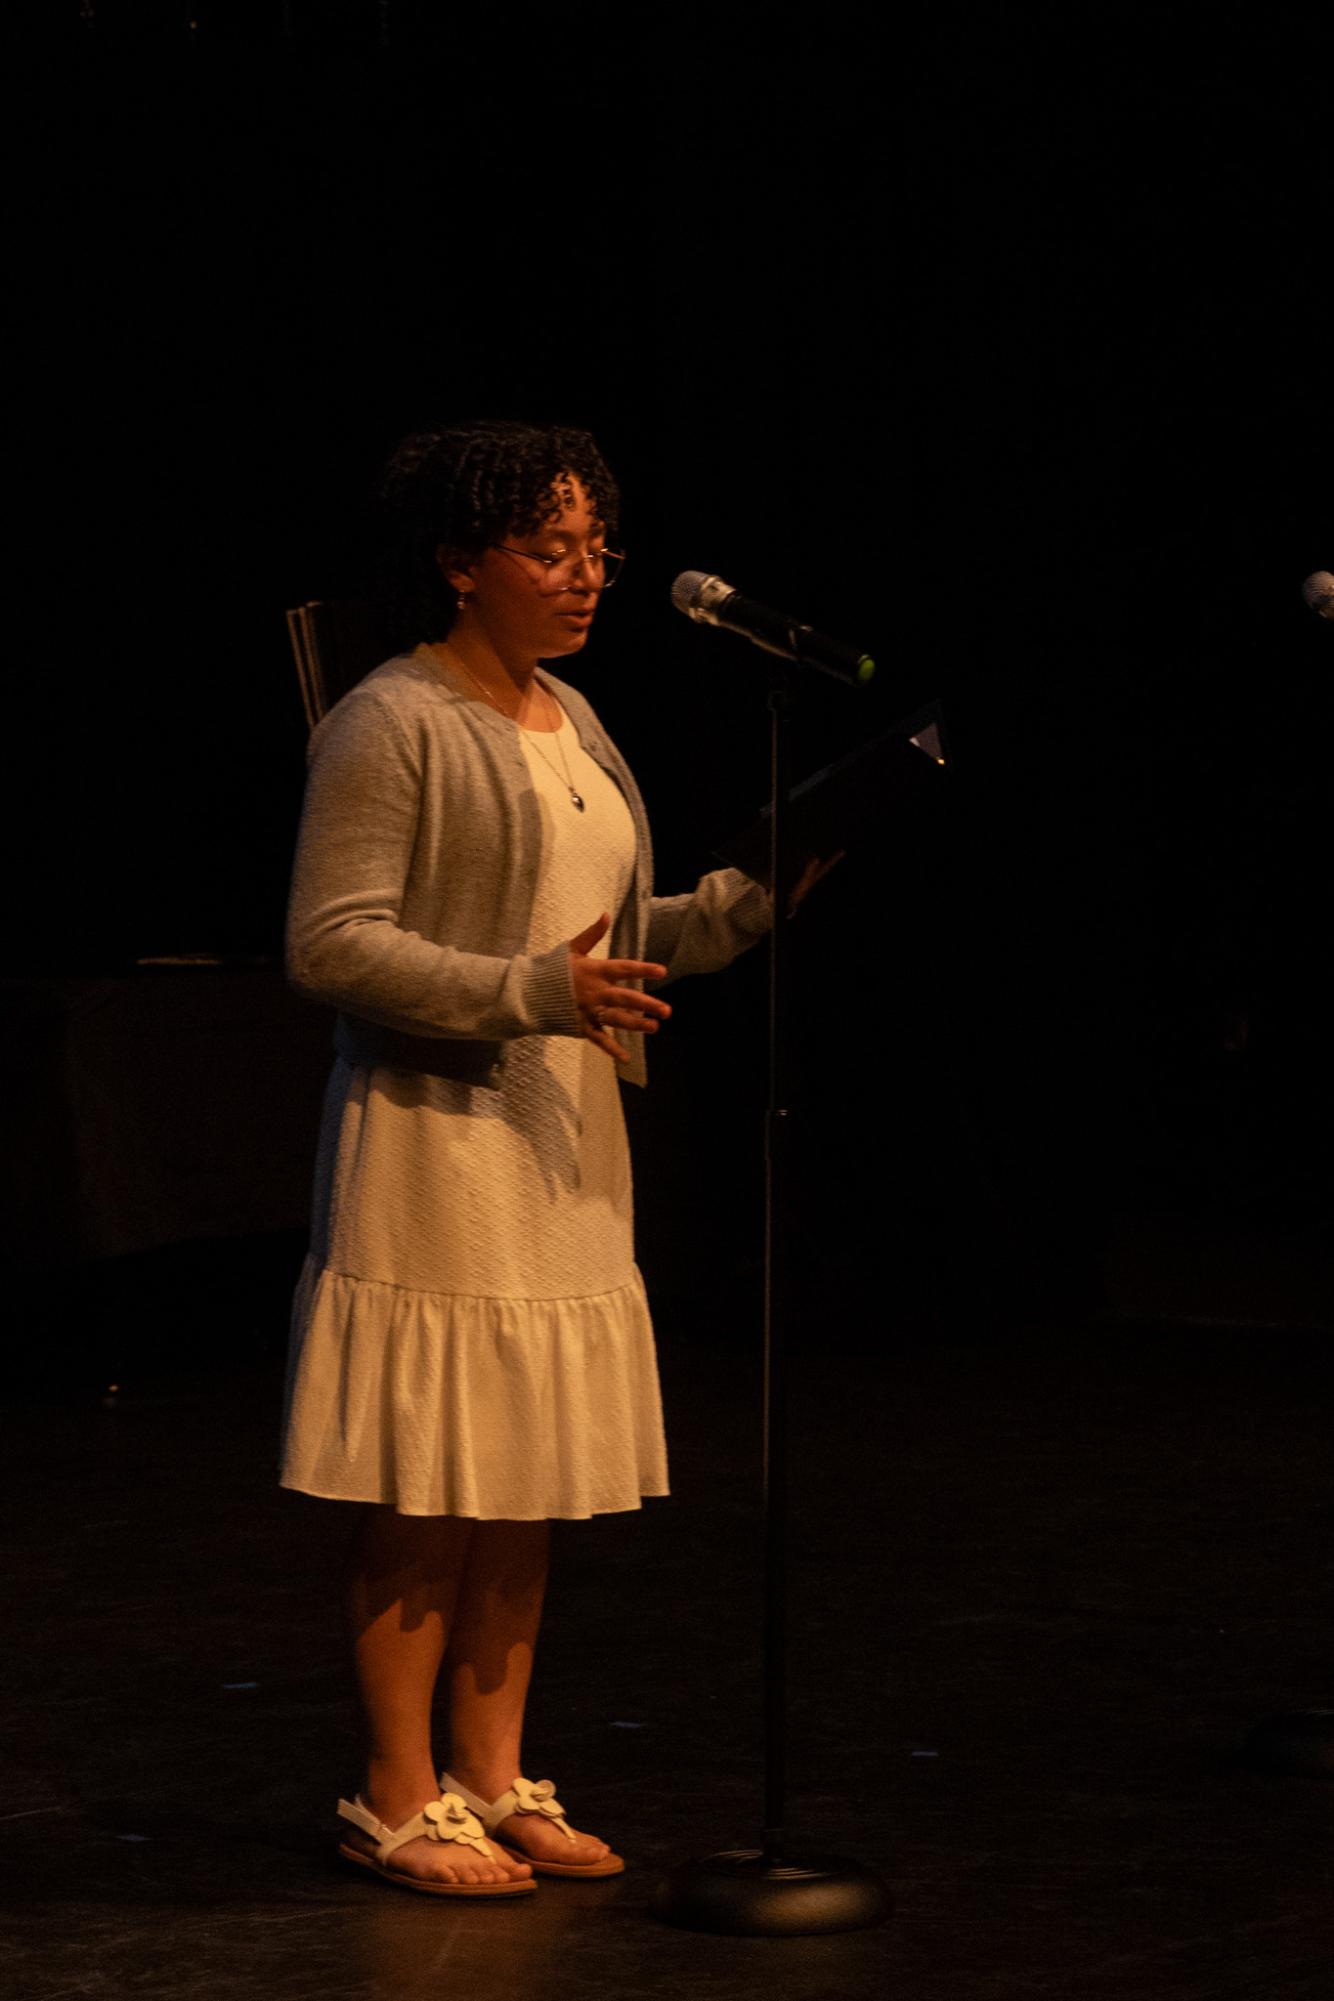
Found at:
<point>601,998</point>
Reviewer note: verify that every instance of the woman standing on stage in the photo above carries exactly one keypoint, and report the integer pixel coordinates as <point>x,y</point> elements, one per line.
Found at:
<point>472,1354</point>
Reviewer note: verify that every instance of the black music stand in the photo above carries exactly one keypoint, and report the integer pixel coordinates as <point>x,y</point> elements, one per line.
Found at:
<point>770,1890</point>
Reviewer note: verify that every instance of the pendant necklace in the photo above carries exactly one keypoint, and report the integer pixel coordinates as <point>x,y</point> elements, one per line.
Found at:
<point>563,775</point>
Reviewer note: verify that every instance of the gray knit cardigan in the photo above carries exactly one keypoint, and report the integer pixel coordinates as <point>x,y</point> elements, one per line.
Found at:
<point>415,871</point>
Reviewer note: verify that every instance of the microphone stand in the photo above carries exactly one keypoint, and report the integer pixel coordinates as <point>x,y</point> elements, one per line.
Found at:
<point>768,1889</point>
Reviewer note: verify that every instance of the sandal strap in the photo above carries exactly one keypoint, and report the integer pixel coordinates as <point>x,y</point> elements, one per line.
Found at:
<point>445,1819</point>
<point>524,1796</point>
<point>362,1817</point>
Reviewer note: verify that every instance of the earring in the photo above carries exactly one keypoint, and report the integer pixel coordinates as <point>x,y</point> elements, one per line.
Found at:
<point>462,600</point>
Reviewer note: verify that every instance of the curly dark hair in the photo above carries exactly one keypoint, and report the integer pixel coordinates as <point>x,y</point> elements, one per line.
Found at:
<point>466,486</point>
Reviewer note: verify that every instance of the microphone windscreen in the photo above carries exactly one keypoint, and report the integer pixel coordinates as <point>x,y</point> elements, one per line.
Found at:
<point>686,589</point>
<point>1318,590</point>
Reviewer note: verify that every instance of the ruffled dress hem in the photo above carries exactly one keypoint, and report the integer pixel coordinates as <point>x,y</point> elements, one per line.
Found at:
<point>491,1408</point>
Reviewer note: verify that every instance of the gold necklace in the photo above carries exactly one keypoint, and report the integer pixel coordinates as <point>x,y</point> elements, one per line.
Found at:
<point>563,775</point>
<point>482,690</point>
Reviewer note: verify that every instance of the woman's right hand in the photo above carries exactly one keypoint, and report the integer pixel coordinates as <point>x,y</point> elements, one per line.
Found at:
<point>602,1003</point>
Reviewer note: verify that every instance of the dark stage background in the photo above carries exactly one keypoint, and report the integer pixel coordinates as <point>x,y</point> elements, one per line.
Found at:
<point>994,341</point>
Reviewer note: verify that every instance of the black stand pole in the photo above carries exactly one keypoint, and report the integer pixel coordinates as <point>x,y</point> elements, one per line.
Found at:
<point>766,1889</point>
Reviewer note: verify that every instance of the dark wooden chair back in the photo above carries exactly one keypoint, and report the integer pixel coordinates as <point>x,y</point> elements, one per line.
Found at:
<point>336,642</point>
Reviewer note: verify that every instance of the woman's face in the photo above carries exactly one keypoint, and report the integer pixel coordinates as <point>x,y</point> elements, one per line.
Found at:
<point>529,609</point>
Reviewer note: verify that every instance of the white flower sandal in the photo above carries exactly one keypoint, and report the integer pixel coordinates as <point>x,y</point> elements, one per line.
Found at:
<point>526,1797</point>
<point>445,1819</point>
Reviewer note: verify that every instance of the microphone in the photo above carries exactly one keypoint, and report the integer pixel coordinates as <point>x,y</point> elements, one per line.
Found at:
<point>709,601</point>
<point>1318,590</point>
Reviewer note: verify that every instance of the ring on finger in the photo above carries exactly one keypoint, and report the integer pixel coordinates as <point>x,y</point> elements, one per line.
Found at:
<point>599,1017</point>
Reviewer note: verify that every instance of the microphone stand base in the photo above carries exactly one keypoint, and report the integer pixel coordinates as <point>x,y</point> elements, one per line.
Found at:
<point>742,1892</point>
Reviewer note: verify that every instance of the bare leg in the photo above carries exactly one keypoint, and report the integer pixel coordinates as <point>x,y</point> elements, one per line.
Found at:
<point>403,1587</point>
<point>489,1664</point>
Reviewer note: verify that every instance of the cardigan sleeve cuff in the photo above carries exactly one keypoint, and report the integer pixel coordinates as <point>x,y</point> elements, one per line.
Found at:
<point>551,993</point>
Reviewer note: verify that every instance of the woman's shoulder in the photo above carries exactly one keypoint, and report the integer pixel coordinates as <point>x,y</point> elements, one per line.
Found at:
<point>405,681</point>
<point>401,691</point>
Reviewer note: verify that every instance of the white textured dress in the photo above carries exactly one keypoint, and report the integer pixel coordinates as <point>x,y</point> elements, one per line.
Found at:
<point>470,1333</point>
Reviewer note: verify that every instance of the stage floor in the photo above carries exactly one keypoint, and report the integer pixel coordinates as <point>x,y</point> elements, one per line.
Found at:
<point>1043,1584</point>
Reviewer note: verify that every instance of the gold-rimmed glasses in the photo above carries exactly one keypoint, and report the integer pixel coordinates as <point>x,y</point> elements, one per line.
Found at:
<point>559,571</point>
